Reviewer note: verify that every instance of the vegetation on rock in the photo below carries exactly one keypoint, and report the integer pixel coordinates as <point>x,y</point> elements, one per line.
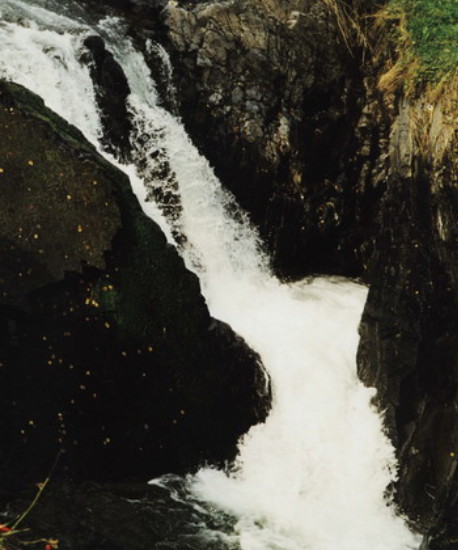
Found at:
<point>424,36</point>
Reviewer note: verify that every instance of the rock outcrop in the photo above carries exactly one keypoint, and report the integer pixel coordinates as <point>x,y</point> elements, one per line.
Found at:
<point>109,360</point>
<point>266,91</point>
<point>409,331</point>
<point>112,90</point>
<point>119,516</point>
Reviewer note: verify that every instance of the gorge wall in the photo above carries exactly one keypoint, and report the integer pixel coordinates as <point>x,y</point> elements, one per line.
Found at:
<point>266,90</point>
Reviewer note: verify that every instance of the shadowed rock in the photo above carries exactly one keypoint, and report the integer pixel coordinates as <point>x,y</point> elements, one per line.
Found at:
<point>112,90</point>
<point>108,356</point>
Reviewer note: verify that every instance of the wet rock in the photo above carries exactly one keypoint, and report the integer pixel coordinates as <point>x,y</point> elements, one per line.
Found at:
<point>409,344</point>
<point>119,516</point>
<point>142,15</point>
<point>112,90</point>
<point>109,359</point>
<point>143,21</point>
<point>266,93</point>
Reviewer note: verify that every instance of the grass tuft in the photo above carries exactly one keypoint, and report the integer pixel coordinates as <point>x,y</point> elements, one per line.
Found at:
<point>424,37</point>
<point>347,14</point>
<point>433,26</point>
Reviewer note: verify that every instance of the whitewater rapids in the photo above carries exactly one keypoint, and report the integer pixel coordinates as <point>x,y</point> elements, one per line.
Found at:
<point>314,476</point>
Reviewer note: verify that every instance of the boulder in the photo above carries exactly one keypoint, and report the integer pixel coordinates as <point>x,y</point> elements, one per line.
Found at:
<point>110,364</point>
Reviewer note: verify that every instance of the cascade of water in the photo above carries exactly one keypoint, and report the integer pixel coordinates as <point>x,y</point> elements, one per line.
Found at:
<point>314,475</point>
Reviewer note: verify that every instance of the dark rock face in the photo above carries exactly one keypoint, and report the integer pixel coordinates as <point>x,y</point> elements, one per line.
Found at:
<point>112,90</point>
<point>142,15</point>
<point>409,344</point>
<point>108,356</point>
<point>267,93</point>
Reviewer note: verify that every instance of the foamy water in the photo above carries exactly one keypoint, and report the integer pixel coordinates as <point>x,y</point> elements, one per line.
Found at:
<point>315,474</point>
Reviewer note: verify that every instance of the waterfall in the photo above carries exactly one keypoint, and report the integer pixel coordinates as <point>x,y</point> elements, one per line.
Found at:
<point>314,476</point>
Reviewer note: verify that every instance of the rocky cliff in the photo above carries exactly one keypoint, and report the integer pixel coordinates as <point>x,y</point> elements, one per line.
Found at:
<point>267,91</point>
<point>409,331</point>
<point>109,361</point>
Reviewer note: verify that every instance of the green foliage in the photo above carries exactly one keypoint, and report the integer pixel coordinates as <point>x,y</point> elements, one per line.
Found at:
<point>433,29</point>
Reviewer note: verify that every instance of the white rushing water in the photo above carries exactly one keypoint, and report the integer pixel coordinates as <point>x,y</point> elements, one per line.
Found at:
<point>314,475</point>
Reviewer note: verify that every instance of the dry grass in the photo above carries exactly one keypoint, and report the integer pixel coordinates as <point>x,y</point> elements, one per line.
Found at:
<point>410,44</point>
<point>393,48</point>
<point>350,22</point>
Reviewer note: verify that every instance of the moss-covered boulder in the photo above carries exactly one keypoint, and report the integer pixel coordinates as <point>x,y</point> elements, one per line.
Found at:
<point>109,360</point>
